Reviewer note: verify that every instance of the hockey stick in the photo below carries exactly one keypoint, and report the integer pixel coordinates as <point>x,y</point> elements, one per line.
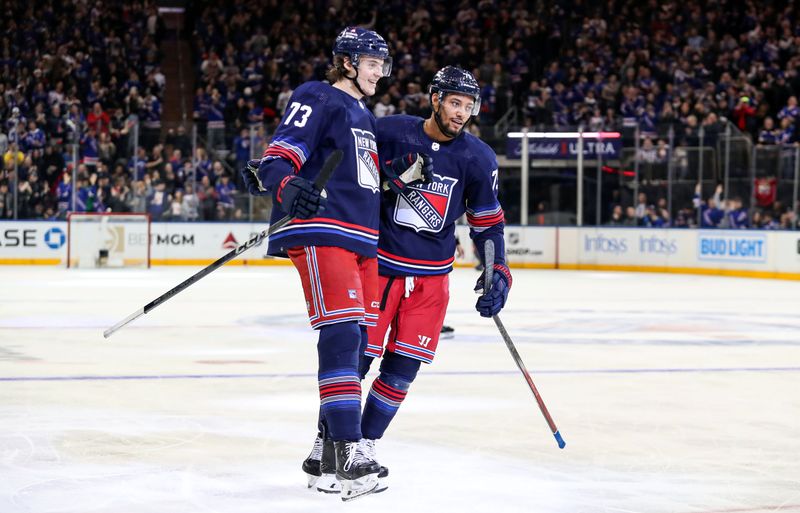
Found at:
<point>330,164</point>
<point>489,264</point>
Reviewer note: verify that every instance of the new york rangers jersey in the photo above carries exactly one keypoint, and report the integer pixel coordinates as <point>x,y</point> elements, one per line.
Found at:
<point>417,230</point>
<point>318,120</point>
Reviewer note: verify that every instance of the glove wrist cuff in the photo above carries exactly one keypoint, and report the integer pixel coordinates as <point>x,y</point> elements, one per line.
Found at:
<point>505,271</point>
<point>279,189</point>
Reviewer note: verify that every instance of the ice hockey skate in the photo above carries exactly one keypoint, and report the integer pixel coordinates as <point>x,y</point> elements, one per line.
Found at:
<point>368,446</point>
<point>327,482</point>
<point>320,467</point>
<point>312,463</point>
<point>357,473</point>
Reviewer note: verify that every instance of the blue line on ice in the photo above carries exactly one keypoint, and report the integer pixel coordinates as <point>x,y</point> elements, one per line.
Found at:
<point>665,370</point>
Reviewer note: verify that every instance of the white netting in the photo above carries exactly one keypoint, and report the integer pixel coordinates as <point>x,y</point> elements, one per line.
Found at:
<point>108,240</point>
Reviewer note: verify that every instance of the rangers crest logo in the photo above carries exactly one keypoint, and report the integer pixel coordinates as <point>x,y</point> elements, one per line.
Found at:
<point>424,208</point>
<point>366,159</point>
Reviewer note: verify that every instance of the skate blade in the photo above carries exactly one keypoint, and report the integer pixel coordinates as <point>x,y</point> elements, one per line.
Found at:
<point>328,484</point>
<point>360,487</point>
<point>312,480</point>
<point>382,486</point>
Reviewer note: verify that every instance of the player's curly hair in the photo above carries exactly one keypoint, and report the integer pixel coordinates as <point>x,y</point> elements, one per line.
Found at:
<point>337,70</point>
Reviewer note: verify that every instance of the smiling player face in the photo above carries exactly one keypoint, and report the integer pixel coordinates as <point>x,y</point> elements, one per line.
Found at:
<point>370,70</point>
<point>454,112</point>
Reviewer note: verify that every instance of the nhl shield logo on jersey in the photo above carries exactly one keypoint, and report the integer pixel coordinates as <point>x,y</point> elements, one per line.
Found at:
<point>424,208</point>
<point>366,159</point>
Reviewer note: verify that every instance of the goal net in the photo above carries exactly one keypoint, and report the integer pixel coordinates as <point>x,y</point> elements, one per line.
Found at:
<point>108,240</point>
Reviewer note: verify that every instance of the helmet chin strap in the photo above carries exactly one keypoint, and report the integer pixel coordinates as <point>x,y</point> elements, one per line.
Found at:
<point>358,86</point>
<point>355,79</point>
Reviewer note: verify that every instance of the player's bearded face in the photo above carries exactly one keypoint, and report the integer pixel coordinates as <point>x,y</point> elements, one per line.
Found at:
<point>454,112</point>
<point>370,70</point>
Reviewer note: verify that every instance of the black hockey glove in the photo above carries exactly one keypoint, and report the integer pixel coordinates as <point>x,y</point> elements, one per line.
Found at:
<point>251,181</point>
<point>299,198</point>
<point>409,169</point>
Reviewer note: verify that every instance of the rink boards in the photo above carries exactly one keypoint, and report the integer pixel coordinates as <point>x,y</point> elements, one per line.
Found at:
<point>752,253</point>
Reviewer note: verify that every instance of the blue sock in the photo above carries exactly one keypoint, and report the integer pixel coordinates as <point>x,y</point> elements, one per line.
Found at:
<point>339,384</point>
<point>387,393</point>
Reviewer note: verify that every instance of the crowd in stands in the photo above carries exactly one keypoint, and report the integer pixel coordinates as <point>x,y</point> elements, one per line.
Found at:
<point>712,212</point>
<point>644,68</point>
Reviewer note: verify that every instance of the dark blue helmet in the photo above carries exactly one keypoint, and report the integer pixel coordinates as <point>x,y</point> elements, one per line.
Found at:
<point>356,42</point>
<point>452,79</point>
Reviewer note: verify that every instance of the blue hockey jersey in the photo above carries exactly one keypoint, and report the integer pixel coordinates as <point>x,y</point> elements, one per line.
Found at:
<point>318,120</point>
<point>417,230</point>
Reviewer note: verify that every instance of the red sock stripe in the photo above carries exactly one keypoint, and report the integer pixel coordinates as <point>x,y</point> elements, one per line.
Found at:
<point>390,392</point>
<point>340,389</point>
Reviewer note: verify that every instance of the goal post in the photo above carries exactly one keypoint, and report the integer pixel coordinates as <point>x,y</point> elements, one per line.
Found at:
<point>108,239</point>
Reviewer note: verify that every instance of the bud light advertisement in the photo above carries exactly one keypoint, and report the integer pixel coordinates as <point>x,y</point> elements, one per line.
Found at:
<point>732,247</point>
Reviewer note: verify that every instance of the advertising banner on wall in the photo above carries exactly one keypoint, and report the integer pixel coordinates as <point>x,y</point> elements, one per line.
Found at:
<point>45,242</point>
<point>626,246</point>
<point>754,253</point>
<point>525,246</point>
<point>564,149</point>
<point>732,246</point>
<point>190,242</point>
<point>748,252</point>
<point>28,242</point>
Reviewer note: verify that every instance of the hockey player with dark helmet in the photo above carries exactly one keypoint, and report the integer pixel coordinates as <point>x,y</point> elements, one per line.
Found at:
<point>452,80</point>
<point>354,43</point>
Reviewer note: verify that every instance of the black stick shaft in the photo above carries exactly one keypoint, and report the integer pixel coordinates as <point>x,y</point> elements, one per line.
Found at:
<point>330,164</point>
<point>489,269</point>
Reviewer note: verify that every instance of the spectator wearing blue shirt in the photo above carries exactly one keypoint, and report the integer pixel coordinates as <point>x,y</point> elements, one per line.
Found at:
<point>35,139</point>
<point>157,200</point>
<point>790,110</point>
<point>242,149</point>
<point>786,134</point>
<point>137,165</point>
<point>768,135</point>
<point>90,149</point>
<point>737,215</point>
<point>64,193</point>
<point>215,113</point>
<point>710,214</point>
<point>226,191</point>
<point>151,121</point>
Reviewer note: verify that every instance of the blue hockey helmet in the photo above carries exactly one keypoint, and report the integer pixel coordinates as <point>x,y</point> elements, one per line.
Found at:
<point>356,42</point>
<point>452,79</point>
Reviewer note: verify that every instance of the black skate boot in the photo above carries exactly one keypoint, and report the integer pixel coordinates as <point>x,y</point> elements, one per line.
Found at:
<point>311,464</point>
<point>327,482</point>
<point>368,446</point>
<point>357,473</point>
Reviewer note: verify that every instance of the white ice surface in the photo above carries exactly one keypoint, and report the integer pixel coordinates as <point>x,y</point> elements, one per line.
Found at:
<point>675,394</point>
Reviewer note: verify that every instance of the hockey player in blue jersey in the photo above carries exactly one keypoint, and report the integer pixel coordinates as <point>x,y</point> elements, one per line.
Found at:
<point>416,242</point>
<point>333,238</point>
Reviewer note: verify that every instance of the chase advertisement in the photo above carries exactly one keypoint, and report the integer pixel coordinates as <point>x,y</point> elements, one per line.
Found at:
<point>31,240</point>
